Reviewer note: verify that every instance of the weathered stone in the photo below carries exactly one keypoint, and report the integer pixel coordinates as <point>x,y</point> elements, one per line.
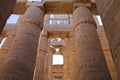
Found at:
<point>107,53</point>
<point>6,47</point>
<point>110,13</point>
<point>90,59</point>
<point>40,61</point>
<point>83,59</point>
<point>73,57</point>
<point>20,62</point>
<point>66,66</point>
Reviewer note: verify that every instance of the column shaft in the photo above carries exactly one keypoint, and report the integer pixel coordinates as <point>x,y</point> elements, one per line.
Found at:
<point>50,76</point>
<point>109,11</point>
<point>90,60</point>
<point>73,57</point>
<point>48,65</point>
<point>66,66</point>
<point>20,62</point>
<point>6,47</point>
<point>40,63</point>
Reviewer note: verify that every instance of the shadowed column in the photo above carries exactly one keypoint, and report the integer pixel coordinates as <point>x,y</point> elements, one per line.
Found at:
<point>90,60</point>
<point>20,62</point>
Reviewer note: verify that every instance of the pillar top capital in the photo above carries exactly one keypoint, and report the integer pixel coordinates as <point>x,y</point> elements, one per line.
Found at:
<point>82,15</point>
<point>33,15</point>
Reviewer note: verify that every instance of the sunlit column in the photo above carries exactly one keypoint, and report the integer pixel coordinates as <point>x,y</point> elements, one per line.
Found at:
<point>48,64</point>
<point>46,67</point>
<point>50,76</point>
<point>73,57</point>
<point>66,65</point>
<point>90,60</point>
<point>40,62</point>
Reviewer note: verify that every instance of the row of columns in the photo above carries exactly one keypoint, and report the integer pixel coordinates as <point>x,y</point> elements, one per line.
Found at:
<point>86,58</point>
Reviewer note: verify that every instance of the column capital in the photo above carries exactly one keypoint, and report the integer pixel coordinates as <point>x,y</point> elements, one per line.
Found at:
<point>33,15</point>
<point>82,15</point>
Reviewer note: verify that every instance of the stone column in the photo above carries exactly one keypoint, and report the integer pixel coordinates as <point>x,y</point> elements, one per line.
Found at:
<point>50,76</point>
<point>73,57</point>
<point>40,63</point>
<point>20,62</point>
<point>107,53</point>
<point>109,11</point>
<point>90,60</point>
<point>9,39</point>
<point>46,67</point>
<point>66,66</point>
<point>6,46</point>
<point>48,64</point>
<point>6,7</point>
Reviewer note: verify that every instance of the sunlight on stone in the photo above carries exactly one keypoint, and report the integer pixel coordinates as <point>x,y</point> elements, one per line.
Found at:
<point>2,42</point>
<point>99,20</point>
